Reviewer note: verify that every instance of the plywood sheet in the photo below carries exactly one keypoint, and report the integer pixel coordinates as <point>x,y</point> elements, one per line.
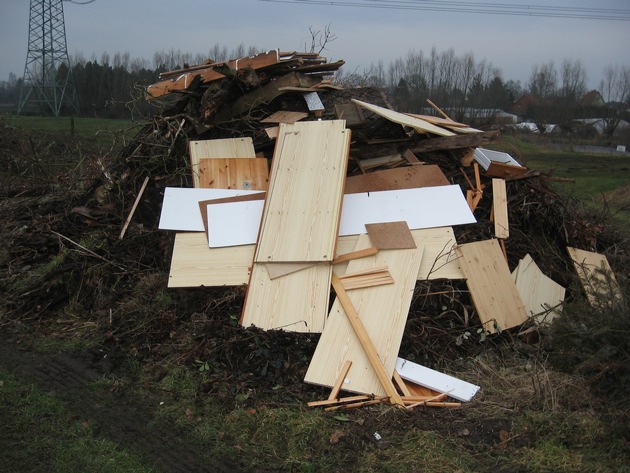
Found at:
<point>222,148</point>
<point>234,173</point>
<point>303,207</point>
<point>193,264</point>
<point>500,209</point>
<point>539,293</point>
<point>296,302</point>
<point>390,236</point>
<point>407,177</point>
<point>383,311</point>
<point>491,285</point>
<point>596,276</point>
<point>283,116</point>
<point>405,120</point>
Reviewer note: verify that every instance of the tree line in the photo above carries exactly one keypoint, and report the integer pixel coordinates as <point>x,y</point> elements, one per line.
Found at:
<point>461,84</point>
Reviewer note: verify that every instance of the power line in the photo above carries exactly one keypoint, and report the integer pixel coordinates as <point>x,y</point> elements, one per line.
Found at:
<point>585,13</point>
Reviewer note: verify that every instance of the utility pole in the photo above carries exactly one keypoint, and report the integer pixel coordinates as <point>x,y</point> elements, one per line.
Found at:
<point>48,81</point>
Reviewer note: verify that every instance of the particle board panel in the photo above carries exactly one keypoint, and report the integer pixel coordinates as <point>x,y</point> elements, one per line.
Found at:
<point>193,264</point>
<point>406,177</point>
<point>221,148</point>
<point>403,119</point>
<point>383,311</point>
<point>436,381</point>
<point>390,236</point>
<point>491,285</point>
<point>538,292</point>
<point>301,217</point>
<point>296,302</point>
<point>596,276</point>
<point>234,173</point>
<point>500,209</point>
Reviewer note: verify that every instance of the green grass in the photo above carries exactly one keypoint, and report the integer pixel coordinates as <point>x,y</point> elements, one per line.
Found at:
<point>39,434</point>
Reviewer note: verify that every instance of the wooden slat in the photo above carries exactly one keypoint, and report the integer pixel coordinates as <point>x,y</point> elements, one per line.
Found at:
<point>296,302</point>
<point>491,286</point>
<point>221,148</point>
<point>500,209</point>
<point>234,173</point>
<point>344,258</point>
<point>303,207</point>
<point>359,281</point>
<point>405,120</point>
<point>383,311</point>
<point>334,392</point>
<point>407,177</point>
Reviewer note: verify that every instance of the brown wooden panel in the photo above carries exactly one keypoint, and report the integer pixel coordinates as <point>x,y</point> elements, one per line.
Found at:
<point>407,177</point>
<point>390,235</point>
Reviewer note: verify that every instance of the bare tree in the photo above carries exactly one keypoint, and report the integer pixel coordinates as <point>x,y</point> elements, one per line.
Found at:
<point>320,39</point>
<point>615,89</point>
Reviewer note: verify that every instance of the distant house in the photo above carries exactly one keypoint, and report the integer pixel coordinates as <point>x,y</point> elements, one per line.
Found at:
<point>522,104</point>
<point>592,99</point>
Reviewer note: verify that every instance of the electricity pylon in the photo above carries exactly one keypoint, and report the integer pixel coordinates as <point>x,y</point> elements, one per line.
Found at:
<point>48,78</point>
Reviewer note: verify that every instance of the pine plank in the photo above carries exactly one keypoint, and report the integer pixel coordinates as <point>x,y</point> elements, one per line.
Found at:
<point>303,207</point>
<point>500,209</point>
<point>284,116</point>
<point>297,302</point>
<point>221,148</point>
<point>596,276</point>
<point>405,120</point>
<point>383,312</point>
<point>491,285</point>
<point>234,173</point>
<point>538,292</point>
<point>193,264</point>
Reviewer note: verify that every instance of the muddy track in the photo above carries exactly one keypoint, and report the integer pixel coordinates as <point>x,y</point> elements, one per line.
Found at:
<point>127,422</point>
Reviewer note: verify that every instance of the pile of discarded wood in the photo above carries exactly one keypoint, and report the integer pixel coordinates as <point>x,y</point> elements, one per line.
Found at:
<point>298,185</point>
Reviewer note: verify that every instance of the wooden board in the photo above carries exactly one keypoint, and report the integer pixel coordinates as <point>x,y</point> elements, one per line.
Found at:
<point>382,310</point>
<point>301,217</point>
<point>296,302</point>
<point>406,177</point>
<point>222,148</point>
<point>390,236</point>
<point>405,120</point>
<point>491,285</point>
<point>500,209</point>
<point>435,380</point>
<point>277,270</point>
<point>539,293</point>
<point>596,276</point>
<point>283,116</point>
<point>234,173</point>
<point>193,264</point>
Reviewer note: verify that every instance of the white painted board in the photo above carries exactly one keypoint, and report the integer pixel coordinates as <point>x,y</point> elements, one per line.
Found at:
<point>486,156</point>
<point>226,228</point>
<point>432,379</point>
<point>180,207</point>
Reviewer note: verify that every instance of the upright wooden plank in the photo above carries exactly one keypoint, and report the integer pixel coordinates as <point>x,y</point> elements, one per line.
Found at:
<point>491,285</point>
<point>221,148</point>
<point>541,295</point>
<point>383,312</point>
<point>596,276</point>
<point>408,177</point>
<point>193,264</point>
<point>296,302</point>
<point>499,206</point>
<point>303,207</point>
<point>234,173</point>
<point>403,119</point>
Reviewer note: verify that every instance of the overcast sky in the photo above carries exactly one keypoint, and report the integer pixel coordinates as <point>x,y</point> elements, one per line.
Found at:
<point>363,35</point>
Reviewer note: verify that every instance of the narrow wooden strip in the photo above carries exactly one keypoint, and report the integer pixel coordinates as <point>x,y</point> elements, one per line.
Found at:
<point>277,270</point>
<point>341,400</point>
<point>364,272</point>
<point>356,404</point>
<point>355,255</point>
<point>133,208</point>
<point>402,386</point>
<point>500,209</point>
<point>334,392</point>
<point>365,341</point>
<point>367,281</point>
